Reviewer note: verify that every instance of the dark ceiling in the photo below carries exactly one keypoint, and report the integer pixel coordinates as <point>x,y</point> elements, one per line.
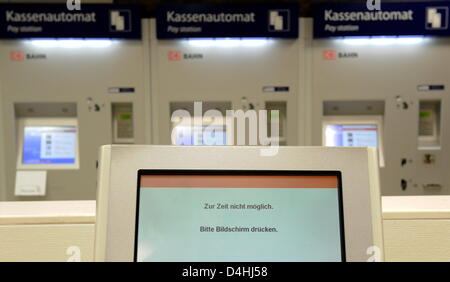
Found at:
<point>149,6</point>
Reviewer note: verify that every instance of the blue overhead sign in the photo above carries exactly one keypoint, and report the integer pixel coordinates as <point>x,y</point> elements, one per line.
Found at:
<point>394,19</point>
<point>226,20</point>
<point>57,21</point>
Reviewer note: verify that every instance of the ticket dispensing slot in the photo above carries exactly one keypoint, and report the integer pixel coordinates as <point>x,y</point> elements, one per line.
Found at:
<point>123,123</point>
<point>280,118</point>
<point>47,139</point>
<point>429,143</point>
<point>429,125</point>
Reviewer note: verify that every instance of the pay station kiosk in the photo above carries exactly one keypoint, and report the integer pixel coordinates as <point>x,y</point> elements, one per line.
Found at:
<point>69,84</point>
<point>228,57</point>
<point>379,79</point>
<point>173,203</point>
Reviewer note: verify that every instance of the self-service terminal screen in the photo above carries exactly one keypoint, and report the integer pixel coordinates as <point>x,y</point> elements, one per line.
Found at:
<point>213,135</point>
<point>49,145</point>
<point>239,216</point>
<point>351,135</point>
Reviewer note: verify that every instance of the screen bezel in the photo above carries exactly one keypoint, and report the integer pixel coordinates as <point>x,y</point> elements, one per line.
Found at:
<point>51,122</point>
<point>338,174</point>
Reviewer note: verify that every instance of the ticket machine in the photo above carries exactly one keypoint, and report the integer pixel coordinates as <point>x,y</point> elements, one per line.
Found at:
<point>235,65</point>
<point>383,83</point>
<point>64,93</point>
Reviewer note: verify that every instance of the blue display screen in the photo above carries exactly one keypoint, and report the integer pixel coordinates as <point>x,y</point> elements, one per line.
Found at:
<point>201,135</point>
<point>49,145</point>
<point>351,135</point>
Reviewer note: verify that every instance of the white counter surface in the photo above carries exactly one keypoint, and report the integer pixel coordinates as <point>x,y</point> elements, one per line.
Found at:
<point>416,207</point>
<point>47,212</point>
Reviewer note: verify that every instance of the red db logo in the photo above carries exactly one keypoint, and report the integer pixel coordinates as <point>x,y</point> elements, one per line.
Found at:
<point>329,55</point>
<point>174,55</point>
<point>17,56</point>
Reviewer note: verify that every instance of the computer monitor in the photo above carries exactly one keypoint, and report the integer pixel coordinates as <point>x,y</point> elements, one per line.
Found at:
<point>200,132</point>
<point>354,131</point>
<point>231,203</point>
<point>50,143</point>
<point>285,211</point>
<point>200,135</point>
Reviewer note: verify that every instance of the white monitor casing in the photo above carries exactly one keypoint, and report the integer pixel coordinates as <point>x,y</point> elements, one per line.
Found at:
<point>118,173</point>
